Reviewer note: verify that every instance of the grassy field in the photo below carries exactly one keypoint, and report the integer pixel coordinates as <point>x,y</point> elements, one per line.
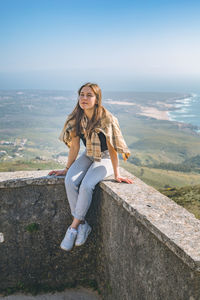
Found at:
<point>187,196</point>
<point>29,165</point>
<point>161,178</point>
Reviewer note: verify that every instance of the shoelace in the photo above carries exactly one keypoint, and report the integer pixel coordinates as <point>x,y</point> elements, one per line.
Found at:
<point>82,226</point>
<point>71,233</point>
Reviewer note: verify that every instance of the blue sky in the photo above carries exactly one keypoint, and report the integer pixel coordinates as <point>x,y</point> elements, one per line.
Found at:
<point>121,45</point>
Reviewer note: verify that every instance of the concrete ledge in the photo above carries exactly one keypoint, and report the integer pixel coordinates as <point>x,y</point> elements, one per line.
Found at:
<point>172,224</point>
<point>24,178</point>
<point>161,238</point>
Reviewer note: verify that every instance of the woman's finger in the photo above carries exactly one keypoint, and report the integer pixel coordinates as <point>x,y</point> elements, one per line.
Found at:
<point>127,180</point>
<point>118,179</point>
<point>124,179</point>
<point>52,173</point>
<point>130,180</point>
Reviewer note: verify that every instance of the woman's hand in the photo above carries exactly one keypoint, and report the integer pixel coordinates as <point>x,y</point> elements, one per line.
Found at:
<point>115,163</point>
<point>119,178</point>
<point>58,172</point>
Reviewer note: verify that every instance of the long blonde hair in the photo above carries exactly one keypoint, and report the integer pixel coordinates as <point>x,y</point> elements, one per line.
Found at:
<point>78,112</point>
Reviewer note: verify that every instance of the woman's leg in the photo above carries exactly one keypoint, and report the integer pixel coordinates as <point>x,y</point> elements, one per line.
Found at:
<point>73,179</point>
<point>96,172</point>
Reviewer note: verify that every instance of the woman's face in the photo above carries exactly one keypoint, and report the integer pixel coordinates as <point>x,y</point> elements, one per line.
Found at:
<point>87,98</point>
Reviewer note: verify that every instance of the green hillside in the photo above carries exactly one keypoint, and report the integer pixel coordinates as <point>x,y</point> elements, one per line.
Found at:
<point>159,178</point>
<point>187,196</point>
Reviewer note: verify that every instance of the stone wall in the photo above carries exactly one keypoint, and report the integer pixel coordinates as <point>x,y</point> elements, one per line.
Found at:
<point>142,246</point>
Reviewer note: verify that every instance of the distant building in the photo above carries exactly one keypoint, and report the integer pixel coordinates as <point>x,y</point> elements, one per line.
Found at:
<point>6,143</point>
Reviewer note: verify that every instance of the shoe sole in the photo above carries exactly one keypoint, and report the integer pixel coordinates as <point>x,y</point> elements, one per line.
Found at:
<point>85,238</point>
<point>65,248</point>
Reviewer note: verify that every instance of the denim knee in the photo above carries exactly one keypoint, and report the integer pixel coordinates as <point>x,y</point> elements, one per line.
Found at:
<point>69,182</point>
<point>86,186</point>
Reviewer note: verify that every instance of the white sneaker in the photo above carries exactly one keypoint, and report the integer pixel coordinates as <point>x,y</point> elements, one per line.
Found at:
<point>68,241</point>
<point>83,232</point>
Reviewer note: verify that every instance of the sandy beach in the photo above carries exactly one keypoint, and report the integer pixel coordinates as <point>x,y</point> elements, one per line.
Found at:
<point>120,102</point>
<point>154,113</point>
<point>161,110</point>
<point>146,110</point>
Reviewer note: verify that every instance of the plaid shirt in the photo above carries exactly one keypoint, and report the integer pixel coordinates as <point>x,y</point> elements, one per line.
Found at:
<point>108,125</point>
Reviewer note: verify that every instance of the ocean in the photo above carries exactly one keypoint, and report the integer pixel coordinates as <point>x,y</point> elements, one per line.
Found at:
<point>188,111</point>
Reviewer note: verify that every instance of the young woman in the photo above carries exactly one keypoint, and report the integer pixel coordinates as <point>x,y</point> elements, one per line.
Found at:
<point>102,137</point>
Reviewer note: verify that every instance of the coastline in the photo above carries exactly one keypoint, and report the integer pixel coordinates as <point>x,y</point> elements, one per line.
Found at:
<point>161,110</point>
<point>169,108</point>
<point>148,111</point>
<point>155,113</point>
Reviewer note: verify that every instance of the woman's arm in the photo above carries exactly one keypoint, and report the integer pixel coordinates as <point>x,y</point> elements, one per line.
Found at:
<point>73,150</point>
<point>114,158</point>
<point>115,162</point>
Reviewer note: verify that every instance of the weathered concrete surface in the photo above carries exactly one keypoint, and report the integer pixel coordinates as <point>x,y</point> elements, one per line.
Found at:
<point>143,246</point>
<point>173,225</point>
<point>136,264</point>
<point>35,257</point>
<point>24,178</point>
<point>72,294</point>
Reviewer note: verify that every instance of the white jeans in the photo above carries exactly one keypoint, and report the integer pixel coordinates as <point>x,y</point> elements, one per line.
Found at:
<point>80,181</point>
